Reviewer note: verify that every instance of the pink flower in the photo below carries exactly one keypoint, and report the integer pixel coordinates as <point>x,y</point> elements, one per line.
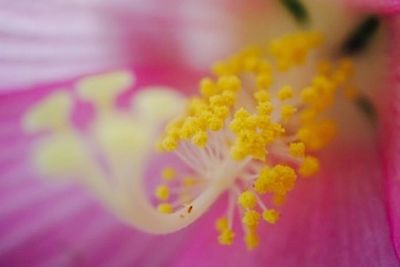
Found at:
<point>337,218</point>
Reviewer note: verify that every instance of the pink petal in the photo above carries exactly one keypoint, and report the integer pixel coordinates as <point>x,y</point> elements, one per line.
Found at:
<point>376,6</point>
<point>45,41</point>
<point>390,137</point>
<point>337,219</point>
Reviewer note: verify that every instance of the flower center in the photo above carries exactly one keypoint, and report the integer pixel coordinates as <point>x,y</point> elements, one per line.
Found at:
<point>254,129</point>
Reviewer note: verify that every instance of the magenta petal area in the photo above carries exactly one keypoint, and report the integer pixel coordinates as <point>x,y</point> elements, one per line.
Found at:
<point>391,133</point>
<point>335,219</point>
<point>376,6</point>
<point>47,223</point>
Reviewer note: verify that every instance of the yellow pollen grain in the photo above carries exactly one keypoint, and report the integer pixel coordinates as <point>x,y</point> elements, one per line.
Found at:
<point>168,173</point>
<point>287,111</point>
<point>297,149</point>
<point>285,93</point>
<point>271,216</point>
<point>251,218</point>
<point>252,240</point>
<point>221,224</point>
<point>226,237</point>
<point>165,208</point>
<point>162,192</point>
<point>309,166</point>
<point>247,200</point>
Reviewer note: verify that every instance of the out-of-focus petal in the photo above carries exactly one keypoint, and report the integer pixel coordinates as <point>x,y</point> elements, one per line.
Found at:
<point>376,6</point>
<point>46,41</point>
<point>390,137</point>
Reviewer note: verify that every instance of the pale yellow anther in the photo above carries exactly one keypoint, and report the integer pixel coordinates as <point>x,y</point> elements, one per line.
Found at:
<point>222,223</point>
<point>165,208</point>
<point>51,113</point>
<point>168,173</point>
<point>309,167</point>
<point>247,200</point>
<point>226,237</point>
<point>286,92</point>
<point>251,218</point>
<point>102,89</point>
<point>297,149</point>
<point>271,216</point>
<point>162,192</point>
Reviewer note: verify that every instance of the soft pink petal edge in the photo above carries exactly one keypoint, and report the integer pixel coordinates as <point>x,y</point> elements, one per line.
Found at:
<point>390,135</point>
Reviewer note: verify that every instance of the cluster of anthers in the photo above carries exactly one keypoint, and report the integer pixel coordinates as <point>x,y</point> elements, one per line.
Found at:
<point>256,124</point>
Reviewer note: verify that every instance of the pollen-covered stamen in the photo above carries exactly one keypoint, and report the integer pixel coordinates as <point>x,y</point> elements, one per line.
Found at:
<point>254,129</point>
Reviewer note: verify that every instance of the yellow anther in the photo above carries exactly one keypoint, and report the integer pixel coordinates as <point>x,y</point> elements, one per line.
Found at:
<point>165,208</point>
<point>308,115</point>
<point>309,166</point>
<point>169,143</point>
<point>168,173</point>
<point>309,95</point>
<point>264,81</point>
<point>247,200</point>
<point>271,216</point>
<point>215,123</point>
<point>251,218</point>
<point>221,112</point>
<point>285,92</point>
<point>200,139</point>
<point>264,108</point>
<point>297,149</point>
<point>229,97</point>
<point>252,240</point>
<point>261,96</point>
<point>222,223</point>
<point>226,237</point>
<point>229,82</point>
<point>207,87</point>
<point>250,64</point>
<point>287,111</point>
<point>316,136</point>
<point>162,192</point>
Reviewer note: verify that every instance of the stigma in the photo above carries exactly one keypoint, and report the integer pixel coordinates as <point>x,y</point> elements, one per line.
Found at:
<point>254,128</point>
